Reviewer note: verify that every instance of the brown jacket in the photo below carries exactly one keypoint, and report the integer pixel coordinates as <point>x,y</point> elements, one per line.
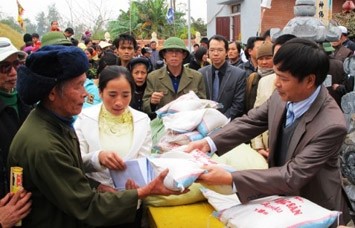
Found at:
<point>342,53</point>
<point>312,166</point>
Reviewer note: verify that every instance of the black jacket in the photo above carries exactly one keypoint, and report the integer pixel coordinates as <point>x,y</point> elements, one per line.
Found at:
<point>10,122</point>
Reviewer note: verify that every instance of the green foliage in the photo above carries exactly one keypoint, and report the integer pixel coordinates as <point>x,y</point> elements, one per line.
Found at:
<point>142,19</point>
<point>184,33</point>
<point>30,27</point>
<point>11,22</point>
<point>147,16</point>
<point>42,23</point>
<point>347,20</point>
<point>53,14</point>
<point>98,35</point>
<point>44,20</point>
<point>122,24</point>
<point>199,25</point>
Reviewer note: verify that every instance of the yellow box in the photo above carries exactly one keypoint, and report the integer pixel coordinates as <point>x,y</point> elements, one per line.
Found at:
<point>16,182</point>
<point>15,178</point>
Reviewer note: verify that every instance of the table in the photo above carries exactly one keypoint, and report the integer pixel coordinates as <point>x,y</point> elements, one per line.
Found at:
<point>193,215</point>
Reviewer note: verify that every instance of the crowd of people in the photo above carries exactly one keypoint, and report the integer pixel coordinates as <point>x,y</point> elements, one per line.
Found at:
<point>63,103</point>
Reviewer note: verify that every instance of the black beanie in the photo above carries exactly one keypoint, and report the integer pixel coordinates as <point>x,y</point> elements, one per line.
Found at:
<point>47,67</point>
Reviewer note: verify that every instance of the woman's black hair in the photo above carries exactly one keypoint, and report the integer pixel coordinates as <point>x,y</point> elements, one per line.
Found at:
<point>113,72</point>
<point>107,59</point>
<point>201,51</point>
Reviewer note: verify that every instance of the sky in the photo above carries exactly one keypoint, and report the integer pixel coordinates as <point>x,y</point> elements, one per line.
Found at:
<point>110,7</point>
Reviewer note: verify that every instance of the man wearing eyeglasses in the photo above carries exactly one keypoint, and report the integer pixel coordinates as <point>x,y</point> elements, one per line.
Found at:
<point>12,114</point>
<point>224,83</point>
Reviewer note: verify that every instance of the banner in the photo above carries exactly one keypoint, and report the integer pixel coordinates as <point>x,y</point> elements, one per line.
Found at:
<point>324,10</point>
<point>170,16</point>
<point>20,11</point>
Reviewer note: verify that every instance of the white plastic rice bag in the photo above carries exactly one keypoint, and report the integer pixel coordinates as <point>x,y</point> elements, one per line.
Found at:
<point>182,172</point>
<point>275,212</point>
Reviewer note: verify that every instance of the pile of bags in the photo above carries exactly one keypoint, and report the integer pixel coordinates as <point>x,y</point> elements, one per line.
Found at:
<point>186,119</point>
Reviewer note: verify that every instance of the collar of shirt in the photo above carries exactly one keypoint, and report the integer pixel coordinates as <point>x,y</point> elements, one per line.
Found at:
<point>175,76</point>
<point>175,79</point>
<point>299,108</point>
<point>222,70</point>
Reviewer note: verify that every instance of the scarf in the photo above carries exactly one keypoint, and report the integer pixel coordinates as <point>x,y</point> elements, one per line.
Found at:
<point>265,71</point>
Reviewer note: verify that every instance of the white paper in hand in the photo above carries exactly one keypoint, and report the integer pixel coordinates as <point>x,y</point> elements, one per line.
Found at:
<point>138,170</point>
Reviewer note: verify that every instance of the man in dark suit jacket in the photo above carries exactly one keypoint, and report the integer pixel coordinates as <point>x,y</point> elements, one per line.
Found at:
<point>303,157</point>
<point>232,80</point>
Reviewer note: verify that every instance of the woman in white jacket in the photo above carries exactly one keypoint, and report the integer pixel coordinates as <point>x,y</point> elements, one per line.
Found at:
<point>112,132</point>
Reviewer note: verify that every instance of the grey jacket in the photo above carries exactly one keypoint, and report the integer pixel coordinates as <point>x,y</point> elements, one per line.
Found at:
<point>231,92</point>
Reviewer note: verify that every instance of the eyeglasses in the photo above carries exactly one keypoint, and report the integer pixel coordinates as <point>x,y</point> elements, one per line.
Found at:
<point>5,67</point>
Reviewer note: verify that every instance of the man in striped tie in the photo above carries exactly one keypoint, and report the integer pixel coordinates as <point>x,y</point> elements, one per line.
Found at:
<point>224,83</point>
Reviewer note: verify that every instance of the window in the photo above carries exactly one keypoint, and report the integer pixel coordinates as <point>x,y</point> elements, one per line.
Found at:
<point>235,8</point>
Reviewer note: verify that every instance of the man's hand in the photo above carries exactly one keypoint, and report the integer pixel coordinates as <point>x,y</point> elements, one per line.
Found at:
<point>111,160</point>
<point>14,207</point>
<point>264,153</point>
<point>335,86</point>
<point>156,97</point>
<point>130,184</point>
<point>215,175</point>
<point>201,145</point>
<point>157,187</point>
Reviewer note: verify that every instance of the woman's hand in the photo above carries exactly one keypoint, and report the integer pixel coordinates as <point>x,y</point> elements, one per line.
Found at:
<point>111,160</point>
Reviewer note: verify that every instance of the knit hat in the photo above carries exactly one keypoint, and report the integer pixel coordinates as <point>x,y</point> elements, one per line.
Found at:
<point>265,49</point>
<point>46,68</point>
<point>138,60</point>
<point>174,43</point>
<point>57,38</point>
<point>7,49</point>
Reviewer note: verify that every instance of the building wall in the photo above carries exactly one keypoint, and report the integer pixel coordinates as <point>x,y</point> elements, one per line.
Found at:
<point>215,10</point>
<point>282,11</point>
<point>277,17</point>
<point>337,5</point>
<point>250,21</point>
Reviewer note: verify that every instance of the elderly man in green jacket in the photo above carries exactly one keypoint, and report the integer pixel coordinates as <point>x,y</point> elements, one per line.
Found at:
<point>170,82</point>
<point>48,149</point>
